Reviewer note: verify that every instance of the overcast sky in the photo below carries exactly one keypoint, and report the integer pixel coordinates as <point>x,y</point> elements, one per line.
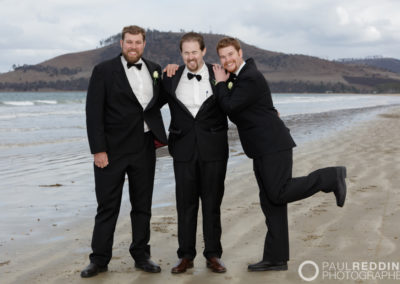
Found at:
<point>32,31</point>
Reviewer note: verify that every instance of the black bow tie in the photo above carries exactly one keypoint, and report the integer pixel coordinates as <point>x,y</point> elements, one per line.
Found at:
<point>137,65</point>
<point>232,77</point>
<point>191,75</point>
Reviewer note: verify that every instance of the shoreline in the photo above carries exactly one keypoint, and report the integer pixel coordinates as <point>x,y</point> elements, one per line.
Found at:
<point>364,230</point>
<point>84,91</point>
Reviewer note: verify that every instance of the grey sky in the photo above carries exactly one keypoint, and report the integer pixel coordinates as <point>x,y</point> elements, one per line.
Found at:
<point>32,31</point>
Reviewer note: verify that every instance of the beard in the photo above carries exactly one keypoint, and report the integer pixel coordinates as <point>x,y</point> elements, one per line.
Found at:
<point>231,68</point>
<point>192,65</point>
<point>132,58</point>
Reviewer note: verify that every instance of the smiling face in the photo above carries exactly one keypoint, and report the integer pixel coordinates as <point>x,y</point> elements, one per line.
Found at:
<point>231,59</point>
<point>132,47</point>
<point>192,55</point>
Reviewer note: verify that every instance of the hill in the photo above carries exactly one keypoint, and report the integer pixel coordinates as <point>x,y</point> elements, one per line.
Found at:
<point>284,72</point>
<point>390,64</point>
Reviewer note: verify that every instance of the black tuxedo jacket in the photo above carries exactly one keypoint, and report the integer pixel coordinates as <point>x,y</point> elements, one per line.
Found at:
<point>207,131</point>
<point>249,105</point>
<point>114,116</point>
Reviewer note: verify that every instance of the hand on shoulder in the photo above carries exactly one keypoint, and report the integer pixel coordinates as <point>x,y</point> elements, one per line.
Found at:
<point>171,69</point>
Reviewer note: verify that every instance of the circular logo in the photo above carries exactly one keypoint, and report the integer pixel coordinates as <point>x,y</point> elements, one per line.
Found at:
<point>301,270</point>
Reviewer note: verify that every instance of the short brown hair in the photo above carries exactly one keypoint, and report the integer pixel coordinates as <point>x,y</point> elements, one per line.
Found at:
<point>135,30</point>
<point>192,36</point>
<point>228,41</point>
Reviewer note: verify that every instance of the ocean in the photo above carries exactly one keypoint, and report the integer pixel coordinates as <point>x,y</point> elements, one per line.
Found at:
<point>53,119</point>
<point>46,171</point>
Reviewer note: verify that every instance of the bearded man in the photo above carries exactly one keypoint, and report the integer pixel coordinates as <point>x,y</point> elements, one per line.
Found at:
<point>198,143</point>
<point>123,123</point>
<point>244,95</point>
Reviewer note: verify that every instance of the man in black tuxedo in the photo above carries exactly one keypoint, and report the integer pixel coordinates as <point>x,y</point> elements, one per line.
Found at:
<point>199,147</point>
<point>123,122</point>
<point>244,95</point>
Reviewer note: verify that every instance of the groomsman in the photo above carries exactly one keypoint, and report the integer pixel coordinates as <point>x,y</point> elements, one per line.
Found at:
<point>199,147</point>
<point>245,97</point>
<point>123,123</point>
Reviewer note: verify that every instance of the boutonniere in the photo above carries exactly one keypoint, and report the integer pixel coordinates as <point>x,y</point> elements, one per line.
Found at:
<point>230,85</point>
<point>214,82</point>
<point>155,77</point>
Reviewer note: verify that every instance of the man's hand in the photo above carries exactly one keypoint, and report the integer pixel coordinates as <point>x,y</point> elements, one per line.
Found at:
<point>220,74</point>
<point>171,69</point>
<point>101,160</point>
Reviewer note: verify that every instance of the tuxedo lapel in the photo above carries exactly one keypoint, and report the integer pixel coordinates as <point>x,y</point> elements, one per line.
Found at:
<point>212,97</point>
<point>175,79</point>
<point>211,77</point>
<point>250,64</point>
<point>155,81</point>
<point>174,85</point>
<point>122,80</point>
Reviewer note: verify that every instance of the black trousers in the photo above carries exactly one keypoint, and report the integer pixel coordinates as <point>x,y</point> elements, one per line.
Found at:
<point>140,169</point>
<point>277,188</point>
<point>197,179</point>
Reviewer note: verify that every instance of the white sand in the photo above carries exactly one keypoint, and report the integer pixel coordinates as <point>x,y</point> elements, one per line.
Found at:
<point>365,229</point>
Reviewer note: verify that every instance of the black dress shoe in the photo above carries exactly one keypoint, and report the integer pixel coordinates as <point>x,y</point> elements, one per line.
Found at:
<point>147,265</point>
<point>341,190</point>
<point>266,265</point>
<point>92,270</point>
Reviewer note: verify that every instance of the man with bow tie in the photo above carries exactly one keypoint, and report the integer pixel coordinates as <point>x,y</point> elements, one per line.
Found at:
<point>245,97</point>
<point>124,127</point>
<point>199,147</point>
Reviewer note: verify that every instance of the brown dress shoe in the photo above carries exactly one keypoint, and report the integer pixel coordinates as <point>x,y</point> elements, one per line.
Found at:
<point>182,265</point>
<point>216,265</point>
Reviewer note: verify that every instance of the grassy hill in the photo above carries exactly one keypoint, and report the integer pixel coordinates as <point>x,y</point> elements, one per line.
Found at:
<point>284,72</point>
<point>390,64</point>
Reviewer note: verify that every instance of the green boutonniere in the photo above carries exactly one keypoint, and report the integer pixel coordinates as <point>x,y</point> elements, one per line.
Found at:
<point>155,77</point>
<point>230,85</point>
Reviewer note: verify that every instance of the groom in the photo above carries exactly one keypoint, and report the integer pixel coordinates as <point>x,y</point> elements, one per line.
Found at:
<point>124,126</point>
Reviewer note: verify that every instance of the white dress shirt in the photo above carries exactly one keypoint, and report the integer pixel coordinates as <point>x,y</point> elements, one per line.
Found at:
<point>240,68</point>
<point>141,84</point>
<point>192,93</point>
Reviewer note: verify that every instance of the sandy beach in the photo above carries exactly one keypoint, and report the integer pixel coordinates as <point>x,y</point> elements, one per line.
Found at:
<point>364,230</point>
